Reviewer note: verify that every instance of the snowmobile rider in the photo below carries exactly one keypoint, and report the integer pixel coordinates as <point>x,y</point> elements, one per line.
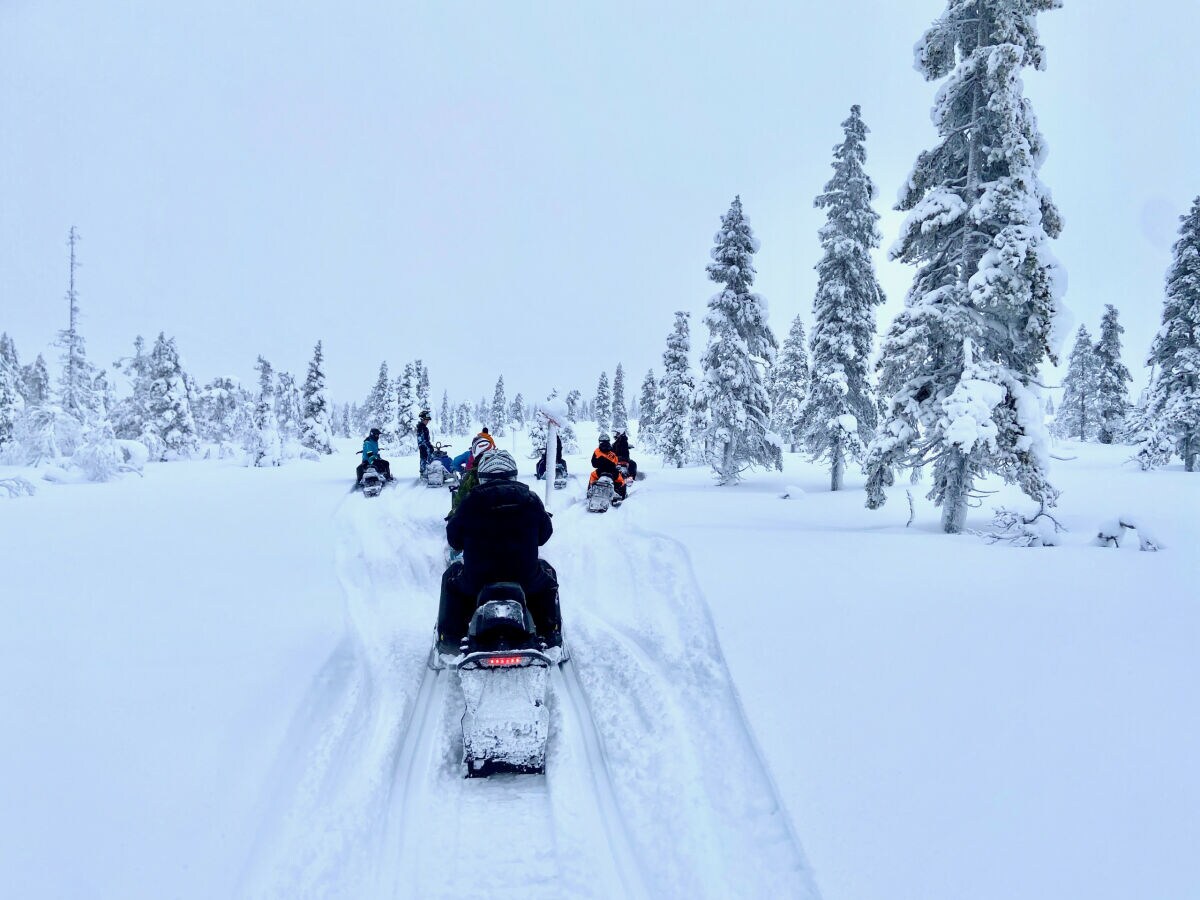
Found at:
<point>621,447</point>
<point>559,461</point>
<point>498,528</point>
<point>484,436</point>
<point>424,442</point>
<point>371,457</point>
<point>471,478</point>
<point>605,462</point>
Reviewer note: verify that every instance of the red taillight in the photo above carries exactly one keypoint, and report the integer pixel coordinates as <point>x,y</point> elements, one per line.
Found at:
<point>503,660</point>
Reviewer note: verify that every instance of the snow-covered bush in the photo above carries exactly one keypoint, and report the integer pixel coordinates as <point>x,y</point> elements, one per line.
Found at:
<point>1009,526</point>
<point>1114,531</point>
<point>16,487</point>
<point>99,457</point>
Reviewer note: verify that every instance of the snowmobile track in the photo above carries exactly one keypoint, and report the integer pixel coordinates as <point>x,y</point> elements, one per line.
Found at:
<point>627,863</point>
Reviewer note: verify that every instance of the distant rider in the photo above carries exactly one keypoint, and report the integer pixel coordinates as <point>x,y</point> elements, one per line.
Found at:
<point>424,442</point>
<point>559,461</point>
<point>605,462</point>
<point>498,528</point>
<point>371,457</point>
<point>471,478</point>
<point>621,447</point>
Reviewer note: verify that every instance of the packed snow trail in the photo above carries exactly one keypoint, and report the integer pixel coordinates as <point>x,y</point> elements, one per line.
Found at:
<point>653,786</point>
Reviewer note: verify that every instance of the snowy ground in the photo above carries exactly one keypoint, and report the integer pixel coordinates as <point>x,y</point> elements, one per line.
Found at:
<point>210,677</point>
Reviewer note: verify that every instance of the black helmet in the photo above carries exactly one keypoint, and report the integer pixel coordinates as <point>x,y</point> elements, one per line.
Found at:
<point>425,415</point>
<point>373,433</point>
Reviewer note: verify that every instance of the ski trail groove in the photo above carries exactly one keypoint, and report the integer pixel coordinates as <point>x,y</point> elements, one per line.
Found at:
<point>627,864</point>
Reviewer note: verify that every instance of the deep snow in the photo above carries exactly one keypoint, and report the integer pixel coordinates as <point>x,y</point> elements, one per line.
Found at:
<point>206,673</point>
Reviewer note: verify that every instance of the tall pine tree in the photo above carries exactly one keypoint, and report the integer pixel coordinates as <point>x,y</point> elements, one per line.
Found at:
<point>603,405</point>
<point>76,392</point>
<point>499,410</point>
<point>1079,412</point>
<point>168,408</point>
<point>961,362</point>
<point>740,347</point>
<point>378,408</point>
<point>676,392</point>
<point>647,431</point>
<point>789,385</point>
<point>1171,418</point>
<point>1111,390</point>
<point>316,432</point>
<point>839,414</point>
<point>263,443</point>
<point>620,418</point>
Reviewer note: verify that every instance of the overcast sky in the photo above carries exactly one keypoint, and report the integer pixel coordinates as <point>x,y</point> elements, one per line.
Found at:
<point>520,188</point>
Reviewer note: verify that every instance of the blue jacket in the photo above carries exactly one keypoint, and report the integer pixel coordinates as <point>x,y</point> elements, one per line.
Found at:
<point>461,460</point>
<point>370,450</point>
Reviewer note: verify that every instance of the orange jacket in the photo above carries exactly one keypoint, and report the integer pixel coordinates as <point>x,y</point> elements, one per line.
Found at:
<point>605,464</point>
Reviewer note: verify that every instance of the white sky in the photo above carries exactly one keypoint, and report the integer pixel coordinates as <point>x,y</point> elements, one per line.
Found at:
<point>521,188</point>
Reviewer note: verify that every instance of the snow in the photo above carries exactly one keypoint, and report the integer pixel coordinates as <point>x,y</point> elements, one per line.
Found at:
<point>211,673</point>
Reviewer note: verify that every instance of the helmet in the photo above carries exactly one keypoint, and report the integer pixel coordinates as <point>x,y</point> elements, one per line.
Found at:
<point>479,448</point>
<point>373,433</point>
<point>496,464</point>
<point>425,415</point>
<point>604,438</point>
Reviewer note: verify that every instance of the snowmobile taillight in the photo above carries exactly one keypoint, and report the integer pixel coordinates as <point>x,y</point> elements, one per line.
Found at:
<point>496,661</point>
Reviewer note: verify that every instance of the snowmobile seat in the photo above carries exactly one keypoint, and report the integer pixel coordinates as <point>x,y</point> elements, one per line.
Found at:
<point>502,618</point>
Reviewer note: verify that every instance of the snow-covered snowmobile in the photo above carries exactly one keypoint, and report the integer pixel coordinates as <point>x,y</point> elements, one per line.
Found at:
<point>602,494</point>
<point>372,481</point>
<point>560,475</point>
<point>504,671</point>
<point>439,469</point>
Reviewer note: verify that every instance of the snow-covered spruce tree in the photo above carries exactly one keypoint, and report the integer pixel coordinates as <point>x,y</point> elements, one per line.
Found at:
<point>408,407</point>
<point>675,395</point>
<point>1079,412</point>
<point>347,416</point>
<point>1112,392</point>
<point>462,419</point>
<point>960,362</point>
<point>499,410</point>
<point>315,431</point>
<point>603,405</point>
<point>620,417</point>
<point>287,411</point>
<point>740,347</point>
<point>217,411</point>
<point>169,420</point>
<point>573,398</point>
<point>516,411</point>
<point>263,443</point>
<point>789,384</point>
<point>422,373</point>
<point>378,409</point>
<point>839,416</point>
<point>130,413</point>
<point>647,431</point>
<point>1171,418</point>
<point>11,401</point>
<point>35,382</point>
<point>445,418</point>
<point>76,394</point>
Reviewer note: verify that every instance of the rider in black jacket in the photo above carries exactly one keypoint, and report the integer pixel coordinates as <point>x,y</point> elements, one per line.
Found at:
<point>499,527</point>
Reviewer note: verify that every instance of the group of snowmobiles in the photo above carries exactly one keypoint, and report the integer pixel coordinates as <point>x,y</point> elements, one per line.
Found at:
<point>504,658</point>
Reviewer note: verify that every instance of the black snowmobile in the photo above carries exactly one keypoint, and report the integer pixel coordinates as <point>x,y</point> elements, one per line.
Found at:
<point>372,480</point>
<point>503,668</point>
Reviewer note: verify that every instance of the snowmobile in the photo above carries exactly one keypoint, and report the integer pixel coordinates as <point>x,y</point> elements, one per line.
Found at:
<point>504,669</point>
<point>602,494</point>
<point>372,481</point>
<point>560,475</point>
<point>439,469</point>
